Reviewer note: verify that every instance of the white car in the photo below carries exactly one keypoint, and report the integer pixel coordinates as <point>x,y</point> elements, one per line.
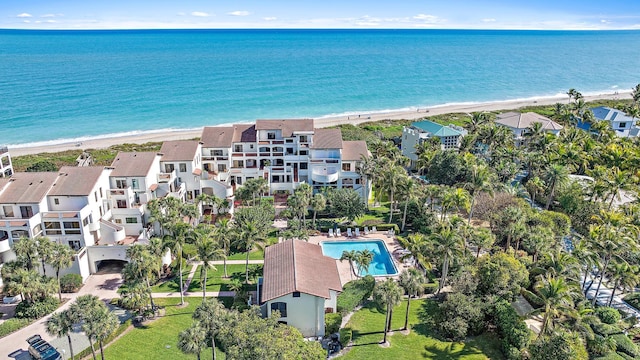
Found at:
<point>12,299</point>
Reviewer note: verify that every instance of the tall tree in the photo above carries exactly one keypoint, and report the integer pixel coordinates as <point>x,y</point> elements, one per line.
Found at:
<point>193,339</point>
<point>318,203</point>
<point>45,251</point>
<point>446,243</point>
<point>556,177</point>
<point>61,258</point>
<point>350,256</point>
<point>556,295</point>
<point>362,259</point>
<point>480,180</point>
<point>389,294</point>
<point>208,250</point>
<point>211,315</point>
<point>224,234</point>
<point>412,281</point>
<point>61,324</point>
<point>26,250</point>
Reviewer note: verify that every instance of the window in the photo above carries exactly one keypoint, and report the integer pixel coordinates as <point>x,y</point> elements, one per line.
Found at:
<point>222,167</point>
<point>623,125</point>
<point>95,195</point>
<point>135,184</point>
<point>74,244</point>
<point>239,180</point>
<point>296,294</point>
<point>131,220</point>
<point>216,152</point>
<point>289,141</point>
<point>238,163</point>
<point>281,307</point>
<point>271,135</point>
<point>101,195</point>
<point>85,222</point>
<point>26,212</point>
<point>8,211</point>
<point>169,168</point>
<point>52,228</point>
<point>121,204</point>
<point>121,184</point>
<point>37,230</point>
<point>56,201</point>
<point>304,152</point>
<point>237,148</point>
<point>289,151</point>
<point>346,166</point>
<point>118,221</point>
<point>304,166</point>
<point>72,228</point>
<point>182,167</point>
<point>304,139</point>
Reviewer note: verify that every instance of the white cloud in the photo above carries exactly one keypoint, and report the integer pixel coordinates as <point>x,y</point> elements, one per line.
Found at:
<point>239,13</point>
<point>488,20</point>
<point>26,21</point>
<point>50,21</point>
<point>181,14</point>
<point>270,18</point>
<point>24,15</point>
<point>200,14</point>
<point>50,15</point>
<point>428,19</point>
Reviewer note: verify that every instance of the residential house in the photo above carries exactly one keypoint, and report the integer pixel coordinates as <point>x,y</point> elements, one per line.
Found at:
<point>6,168</point>
<point>301,283</point>
<point>184,157</point>
<point>621,123</point>
<point>284,152</point>
<point>519,123</point>
<point>418,132</point>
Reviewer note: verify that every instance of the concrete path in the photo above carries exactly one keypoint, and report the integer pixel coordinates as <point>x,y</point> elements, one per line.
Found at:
<point>195,294</point>
<point>229,262</point>
<point>104,286</point>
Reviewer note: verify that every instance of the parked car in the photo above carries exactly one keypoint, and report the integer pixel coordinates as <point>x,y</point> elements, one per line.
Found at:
<point>42,350</point>
<point>12,299</point>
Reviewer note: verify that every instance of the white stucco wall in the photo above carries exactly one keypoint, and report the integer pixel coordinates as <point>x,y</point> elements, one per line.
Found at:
<point>306,313</point>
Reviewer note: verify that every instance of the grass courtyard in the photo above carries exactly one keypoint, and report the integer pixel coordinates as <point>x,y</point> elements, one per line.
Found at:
<point>367,327</point>
<point>216,280</point>
<point>159,339</point>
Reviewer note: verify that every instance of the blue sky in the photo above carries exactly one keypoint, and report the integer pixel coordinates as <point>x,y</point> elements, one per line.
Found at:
<point>406,14</point>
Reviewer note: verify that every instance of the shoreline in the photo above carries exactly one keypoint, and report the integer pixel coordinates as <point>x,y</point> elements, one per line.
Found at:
<point>354,119</point>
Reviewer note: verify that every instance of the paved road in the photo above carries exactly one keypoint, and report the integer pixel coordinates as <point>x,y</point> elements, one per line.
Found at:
<point>605,294</point>
<point>103,285</point>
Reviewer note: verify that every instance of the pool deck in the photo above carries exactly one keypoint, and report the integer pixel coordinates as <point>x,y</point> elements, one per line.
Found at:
<point>343,266</point>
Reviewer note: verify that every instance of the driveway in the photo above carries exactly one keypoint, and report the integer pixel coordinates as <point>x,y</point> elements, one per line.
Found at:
<point>103,285</point>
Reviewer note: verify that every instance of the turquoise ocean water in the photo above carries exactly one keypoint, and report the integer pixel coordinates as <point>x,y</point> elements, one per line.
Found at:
<point>76,84</point>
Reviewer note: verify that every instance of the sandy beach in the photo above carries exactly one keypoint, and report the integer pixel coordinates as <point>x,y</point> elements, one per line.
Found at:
<point>320,122</point>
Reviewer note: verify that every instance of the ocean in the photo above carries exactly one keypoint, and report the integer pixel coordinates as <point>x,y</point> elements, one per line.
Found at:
<point>62,85</point>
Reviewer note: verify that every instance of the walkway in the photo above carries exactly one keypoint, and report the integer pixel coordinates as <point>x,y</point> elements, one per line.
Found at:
<point>104,286</point>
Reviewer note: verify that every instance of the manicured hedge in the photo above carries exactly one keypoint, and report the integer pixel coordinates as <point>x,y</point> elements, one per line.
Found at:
<point>346,334</point>
<point>605,329</point>
<point>355,293</point>
<point>70,283</point>
<point>332,322</point>
<point>625,345</point>
<point>608,315</point>
<point>514,331</point>
<point>38,309</point>
<point>12,325</point>
<point>612,355</point>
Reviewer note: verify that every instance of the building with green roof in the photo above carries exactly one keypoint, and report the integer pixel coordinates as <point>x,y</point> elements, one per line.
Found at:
<point>450,137</point>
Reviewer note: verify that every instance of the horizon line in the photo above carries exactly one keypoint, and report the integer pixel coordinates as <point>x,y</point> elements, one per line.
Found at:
<point>311,29</point>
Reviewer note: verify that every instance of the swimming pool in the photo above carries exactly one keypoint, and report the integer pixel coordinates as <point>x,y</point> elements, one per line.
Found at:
<point>382,265</point>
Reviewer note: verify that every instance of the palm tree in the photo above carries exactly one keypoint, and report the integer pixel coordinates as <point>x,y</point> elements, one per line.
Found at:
<point>412,281</point>
<point>223,232</point>
<point>45,251</point>
<point>556,296</point>
<point>26,249</point>
<point>535,185</point>
<point>456,199</point>
<point>478,119</point>
<point>350,256</point>
<point>609,243</point>
<point>362,259</point>
<point>394,175</point>
<point>107,323</point>
<point>61,258</point>
<point>142,266</point>
<point>479,181</point>
<point>588,258</point>
<point>625,275</point>
<point>366,168</point>
<point>387,293</point>
<point>446,242</point>
<point>556,177</point>
<point>318,203</point>
<point>616,181</point>
<point>181,231</point>
<point>409,189</point>
<point>247,238</point>
<point>193,340</point>
<point>87,309</point>
<point>61,324</point>
<point>211,315</point>
<point>482,238</point>
<point>208,250</point>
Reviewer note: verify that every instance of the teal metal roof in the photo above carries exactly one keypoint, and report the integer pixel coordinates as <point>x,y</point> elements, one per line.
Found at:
<point>436,129</point>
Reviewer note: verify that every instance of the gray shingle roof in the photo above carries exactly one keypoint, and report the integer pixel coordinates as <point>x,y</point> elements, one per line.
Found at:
<point>518,120</point>
<point>327,139</point>
<point>76,181</point>
<point>288,126</point>
<point>133,163</point>
<point>27,187</point>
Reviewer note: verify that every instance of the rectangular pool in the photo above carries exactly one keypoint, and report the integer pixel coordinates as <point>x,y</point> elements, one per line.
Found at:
<point>382,264</point>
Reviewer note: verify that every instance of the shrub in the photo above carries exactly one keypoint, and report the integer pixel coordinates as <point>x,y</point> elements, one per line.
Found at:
<point>385,227</point>
<point>355,293</point>
<point>346,334</point>
<point>38,309</point>
<point>12,325</point>
<point>598,346</point>
<point>608,315</point>
<point>332,322</point>
<point>625,345</point>
<point>611,355</point>
<point>513,329</point>
<point>70,283</point>
<point>511,352</point>
<point>633,300</point>
<point>605,329</point>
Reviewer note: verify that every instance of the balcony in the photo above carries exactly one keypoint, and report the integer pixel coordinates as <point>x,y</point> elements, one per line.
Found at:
<point>4,244</point>
<point>325,174</point>
<point>164,178</point>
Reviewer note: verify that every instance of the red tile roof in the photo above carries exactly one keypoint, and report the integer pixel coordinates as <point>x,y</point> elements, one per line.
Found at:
<point>296,265</point>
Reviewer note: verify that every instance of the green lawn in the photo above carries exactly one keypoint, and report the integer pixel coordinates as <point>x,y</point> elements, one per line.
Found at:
<point>158,340</point>
<point>172,284</point>
<point>215,280</point>
<point>367,327</point>
<point>254,255</point>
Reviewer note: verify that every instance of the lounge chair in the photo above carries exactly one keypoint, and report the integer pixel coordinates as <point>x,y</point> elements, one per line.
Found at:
<point>357,232</point>
<point>338,234</point>
<point>349,233</point>
<point>366,230</point>
<point>330,233</point>
<point>373,229</point>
